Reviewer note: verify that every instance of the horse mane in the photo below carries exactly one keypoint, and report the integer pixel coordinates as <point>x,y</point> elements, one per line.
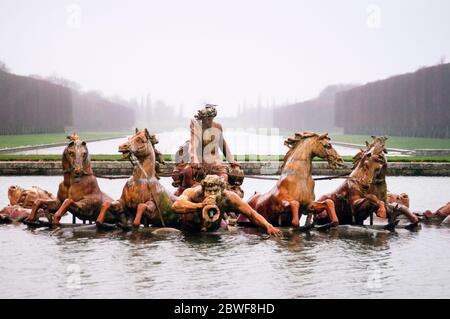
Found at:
<point>358,156</point>
<point>65,163</point>
<point>73,137</point>
<point>293,142</point>
<point>159,160</point>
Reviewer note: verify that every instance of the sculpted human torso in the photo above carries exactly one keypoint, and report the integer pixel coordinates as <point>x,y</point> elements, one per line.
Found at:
<point>210,137</point>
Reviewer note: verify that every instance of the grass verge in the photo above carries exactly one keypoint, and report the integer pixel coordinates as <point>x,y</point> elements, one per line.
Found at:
<point>8,141</point>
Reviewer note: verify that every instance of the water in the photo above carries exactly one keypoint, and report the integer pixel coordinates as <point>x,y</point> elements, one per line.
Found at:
<point>240,142</point>
<point>240,264</point>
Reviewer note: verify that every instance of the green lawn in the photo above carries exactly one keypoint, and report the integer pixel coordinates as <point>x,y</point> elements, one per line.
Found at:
<point>408,143</point>
<point>168,157</point>
<point>8,141</point>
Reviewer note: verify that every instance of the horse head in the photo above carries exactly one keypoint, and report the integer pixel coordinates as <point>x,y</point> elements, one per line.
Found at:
<point>325,150</point>
<point>369,165</point>
<point>314,145</point>
<point>402,198</point>
<point>377,145</point>
<point>76,160</point>
<point>14,194</point>
<point>139,145</point>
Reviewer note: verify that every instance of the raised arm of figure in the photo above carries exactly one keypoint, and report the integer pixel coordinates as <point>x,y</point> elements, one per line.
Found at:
<point>226,149</point>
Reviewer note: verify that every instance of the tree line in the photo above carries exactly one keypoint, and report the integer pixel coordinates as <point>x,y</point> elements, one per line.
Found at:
<point>414,104</point>
<point>312,115</point>
<point>31,105</point>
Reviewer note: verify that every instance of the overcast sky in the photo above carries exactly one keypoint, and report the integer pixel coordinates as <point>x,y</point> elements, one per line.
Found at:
<point>223,52</point>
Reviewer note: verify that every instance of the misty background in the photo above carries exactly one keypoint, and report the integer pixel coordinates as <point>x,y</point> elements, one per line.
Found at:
<point>154,63</point>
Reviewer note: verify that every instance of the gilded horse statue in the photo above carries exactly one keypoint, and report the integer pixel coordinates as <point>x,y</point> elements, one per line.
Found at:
<point>294,191</point>
<point>352,199</point>
<point>79,192</point>
<point>143,197</point>
<point>396,204</point>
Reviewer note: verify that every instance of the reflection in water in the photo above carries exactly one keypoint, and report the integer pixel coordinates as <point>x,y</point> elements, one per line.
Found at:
<point>82,262</point>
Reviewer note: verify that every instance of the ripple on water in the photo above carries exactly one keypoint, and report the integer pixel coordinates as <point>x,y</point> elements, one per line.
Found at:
<point>240,264</point>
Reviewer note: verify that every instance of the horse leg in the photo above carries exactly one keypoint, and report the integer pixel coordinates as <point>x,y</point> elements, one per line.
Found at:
<point>328,205</point>
<point>403,210</point>
<point>294,205</point>
<point>101,216</point>
<point>308,220</point>
<point>37,205</point>
<point>308,223</point>
<point>61,211</point>
<point>381,211</point>
<point>362,208</point>
<point>368,205</point>
<point>379,205</point>
<point>142,208</point>
<point>114,208</point>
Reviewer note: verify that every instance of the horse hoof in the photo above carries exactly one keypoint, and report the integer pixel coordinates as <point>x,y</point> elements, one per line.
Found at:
<point>391,226</point>
<point>101,225</point>
<point>412,226</point>
<point>136,226</point>
<point>34,223</point>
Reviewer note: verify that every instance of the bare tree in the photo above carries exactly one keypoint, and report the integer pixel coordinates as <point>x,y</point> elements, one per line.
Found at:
<point>4,67</point>
<point>59,80</point>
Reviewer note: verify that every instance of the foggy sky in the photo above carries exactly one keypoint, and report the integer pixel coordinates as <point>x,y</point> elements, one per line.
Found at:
<point>222,52</point>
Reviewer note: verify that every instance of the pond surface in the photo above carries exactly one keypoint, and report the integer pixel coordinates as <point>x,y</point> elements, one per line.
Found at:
<point>239,264</point>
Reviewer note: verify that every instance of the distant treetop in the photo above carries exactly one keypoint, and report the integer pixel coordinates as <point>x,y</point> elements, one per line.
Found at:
<point>4,67</point>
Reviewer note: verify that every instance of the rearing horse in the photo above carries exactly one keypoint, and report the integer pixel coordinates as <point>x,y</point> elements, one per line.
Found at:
<point>294,191</point>
<point>352,199</point>
<point>79,192</point>
<point>395,204</point>
<point>142,195</point>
